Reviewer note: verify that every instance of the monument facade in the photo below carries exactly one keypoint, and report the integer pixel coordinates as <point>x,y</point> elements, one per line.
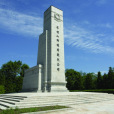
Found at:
<point>49,74</point>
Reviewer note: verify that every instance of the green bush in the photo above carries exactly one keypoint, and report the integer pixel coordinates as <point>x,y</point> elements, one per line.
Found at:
<point>2,90</point>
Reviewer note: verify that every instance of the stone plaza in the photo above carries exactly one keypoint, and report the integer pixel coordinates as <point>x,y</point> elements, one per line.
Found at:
<point>78,102</point>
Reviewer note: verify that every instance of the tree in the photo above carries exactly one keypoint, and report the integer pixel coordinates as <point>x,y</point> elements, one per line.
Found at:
<point>94,81</point>
<point>113,80</point>
<point>2,90</point>
<point>105,81</point>
<point>70,74</point>
<point>2,79</point>
<point>99,80</point>
<point>19,82</point>
<point>110,78</point>
<point>74,80</point>
<point>12,70</point>
<point>88,81</point>
<point>78,84</point>
<point>23,68</point>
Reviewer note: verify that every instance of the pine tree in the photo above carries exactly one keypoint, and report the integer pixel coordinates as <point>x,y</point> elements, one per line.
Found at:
<point>110,78</point>
<point>99,80</point>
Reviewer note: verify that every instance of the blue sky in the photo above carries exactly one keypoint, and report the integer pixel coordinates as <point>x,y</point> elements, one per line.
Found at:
<point>88,32</point>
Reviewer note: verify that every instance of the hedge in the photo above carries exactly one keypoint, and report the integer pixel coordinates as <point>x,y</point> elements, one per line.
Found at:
<point>95,90</point>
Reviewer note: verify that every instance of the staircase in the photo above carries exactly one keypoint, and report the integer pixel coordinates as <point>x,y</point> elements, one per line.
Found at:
<point>26,100</point>
<point>7,100</point>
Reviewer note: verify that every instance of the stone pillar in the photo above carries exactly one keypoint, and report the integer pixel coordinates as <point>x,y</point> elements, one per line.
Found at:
<point>40,78</point>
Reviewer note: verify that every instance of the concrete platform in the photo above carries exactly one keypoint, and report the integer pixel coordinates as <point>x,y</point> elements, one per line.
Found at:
<point>76,100</point>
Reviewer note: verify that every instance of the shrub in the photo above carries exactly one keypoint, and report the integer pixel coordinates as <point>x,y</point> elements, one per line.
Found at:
<point>2,90</point>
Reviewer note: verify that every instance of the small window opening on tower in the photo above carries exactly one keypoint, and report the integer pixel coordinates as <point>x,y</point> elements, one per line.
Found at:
<point>58,45</point>
<point>57,59</point>
<point>58,40</point>
<point>58,69</point>
<point>57,27</point>
<point>57,54</point>
<point>57,49</point>
<point>58,32</point>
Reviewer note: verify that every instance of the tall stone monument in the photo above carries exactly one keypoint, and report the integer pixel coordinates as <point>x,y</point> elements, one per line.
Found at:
<point>49,74</point>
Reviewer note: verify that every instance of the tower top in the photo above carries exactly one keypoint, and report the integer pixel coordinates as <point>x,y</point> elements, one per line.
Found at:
<point>53,9</point>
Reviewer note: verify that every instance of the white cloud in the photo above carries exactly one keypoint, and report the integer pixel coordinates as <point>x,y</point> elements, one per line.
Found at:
<point>101,2</point>
<point>20,23</point>
<point>87,40</point>
<point>106,25</point>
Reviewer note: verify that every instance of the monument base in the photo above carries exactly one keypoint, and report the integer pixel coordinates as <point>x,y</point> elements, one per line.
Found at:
<point>29,90</point>
<point>58,87</point>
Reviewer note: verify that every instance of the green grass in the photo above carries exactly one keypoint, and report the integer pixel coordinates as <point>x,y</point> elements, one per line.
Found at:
<point>95,90</point>
<point>35,109</point>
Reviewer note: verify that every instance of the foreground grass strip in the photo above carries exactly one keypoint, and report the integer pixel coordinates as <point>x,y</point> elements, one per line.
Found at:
<point>35,109</point>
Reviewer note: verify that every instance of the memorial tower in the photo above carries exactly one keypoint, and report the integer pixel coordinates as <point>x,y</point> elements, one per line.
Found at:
<point>50,69</point>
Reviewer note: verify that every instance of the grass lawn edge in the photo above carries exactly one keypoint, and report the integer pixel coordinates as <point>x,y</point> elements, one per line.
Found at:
<point>33,109</point>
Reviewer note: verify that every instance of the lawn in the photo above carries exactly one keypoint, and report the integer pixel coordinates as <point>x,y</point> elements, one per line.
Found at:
<point>35,109</point>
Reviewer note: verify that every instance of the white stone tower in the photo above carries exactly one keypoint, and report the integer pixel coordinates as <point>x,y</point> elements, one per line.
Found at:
<point>51,50</point>
<point>50,70</point>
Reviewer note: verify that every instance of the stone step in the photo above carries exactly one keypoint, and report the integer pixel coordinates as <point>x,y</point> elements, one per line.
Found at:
<point>69,97</point>
<point>59,98</point>
<point>39,102</point>
<point>2,107</point>
<point>92,97</point>
<point>52,98</point>
<point>58,102</point>
<point>76,100</point>
<point>9,99</point>
<point>6,101</point>
<point>11,96</point>
<point>7,105</point>
<point>12,99</point>
<point>18,99</point>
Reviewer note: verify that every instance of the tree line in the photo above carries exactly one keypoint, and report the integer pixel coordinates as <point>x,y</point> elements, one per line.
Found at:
<point>11,76</point>
<point>86,81</point>
<point>12,73</point>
